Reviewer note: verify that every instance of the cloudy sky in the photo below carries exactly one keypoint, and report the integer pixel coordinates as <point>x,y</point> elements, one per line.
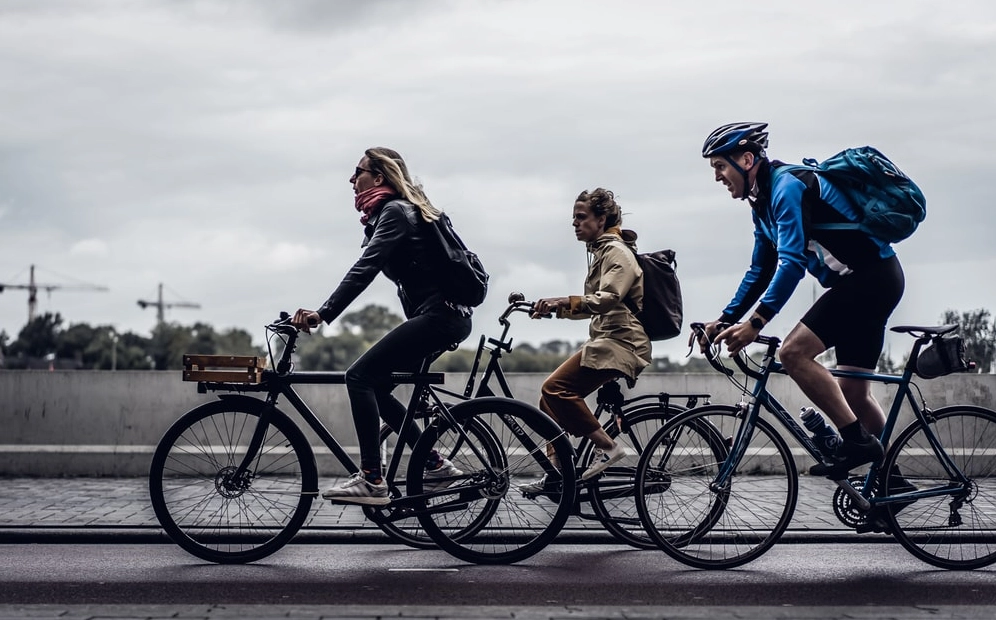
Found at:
<point>206,145</point>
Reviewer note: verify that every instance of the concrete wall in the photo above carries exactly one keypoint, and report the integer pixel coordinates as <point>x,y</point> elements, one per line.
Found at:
<point>99,423</point>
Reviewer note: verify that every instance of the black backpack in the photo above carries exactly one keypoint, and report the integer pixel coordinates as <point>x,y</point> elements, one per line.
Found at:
<point>462,276</point>
<point>662,310</point>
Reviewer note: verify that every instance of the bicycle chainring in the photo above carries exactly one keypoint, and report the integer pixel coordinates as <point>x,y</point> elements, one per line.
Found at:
<point>845,508</point>
<point>388,513</point>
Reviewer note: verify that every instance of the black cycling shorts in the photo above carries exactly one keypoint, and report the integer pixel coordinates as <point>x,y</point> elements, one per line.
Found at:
<point>852,315</point>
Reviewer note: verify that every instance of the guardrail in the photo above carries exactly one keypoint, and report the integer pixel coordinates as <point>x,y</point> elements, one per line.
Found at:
<point>103,423</point>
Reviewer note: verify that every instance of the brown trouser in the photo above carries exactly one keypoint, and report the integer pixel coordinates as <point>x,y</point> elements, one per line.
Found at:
<point>563,392</point>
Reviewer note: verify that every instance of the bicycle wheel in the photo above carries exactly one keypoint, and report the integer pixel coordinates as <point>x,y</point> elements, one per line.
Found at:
<point>612,495</point>
<point>955,530</point>
<point>514,527</point>
<point>211,515</point>
<point>706,527</point>
<point>402,523</point>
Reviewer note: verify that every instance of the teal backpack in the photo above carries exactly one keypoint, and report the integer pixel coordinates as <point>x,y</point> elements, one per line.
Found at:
<point>891,204</point>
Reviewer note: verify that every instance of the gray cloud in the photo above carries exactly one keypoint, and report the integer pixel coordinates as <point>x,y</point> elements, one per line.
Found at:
<point>207,144</point>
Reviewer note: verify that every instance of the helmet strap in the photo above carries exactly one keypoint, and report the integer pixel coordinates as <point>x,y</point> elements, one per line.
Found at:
<point>746,191</point>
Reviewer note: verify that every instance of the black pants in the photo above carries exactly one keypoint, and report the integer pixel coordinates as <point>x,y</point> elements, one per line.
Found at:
<point>403,349</point>
<point>852,315</point>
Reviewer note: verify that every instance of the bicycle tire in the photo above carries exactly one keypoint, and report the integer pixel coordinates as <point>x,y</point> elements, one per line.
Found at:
<point>516,527</point>
<point>409,530</point>
<point>202,511</point>
<point>711,528</point>
<point>956,532</point>
<point>612,495</point>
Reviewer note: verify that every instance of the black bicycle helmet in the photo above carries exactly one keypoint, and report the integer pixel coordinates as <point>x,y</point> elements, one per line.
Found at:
<point>736,137</point>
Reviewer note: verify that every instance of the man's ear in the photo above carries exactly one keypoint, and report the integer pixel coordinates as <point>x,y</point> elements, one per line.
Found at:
<point>748,160</point>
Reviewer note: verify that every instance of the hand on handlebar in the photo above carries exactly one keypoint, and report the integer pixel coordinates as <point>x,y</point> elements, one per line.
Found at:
<point>705,334</point>
<point>737,337</point>
<point>548,306</point>
<point>305,320</point>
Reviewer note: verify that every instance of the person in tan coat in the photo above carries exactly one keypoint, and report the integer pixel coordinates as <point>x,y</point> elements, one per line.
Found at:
<point>617,346</point>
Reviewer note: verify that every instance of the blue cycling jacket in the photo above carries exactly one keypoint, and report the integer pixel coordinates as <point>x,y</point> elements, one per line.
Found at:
<point>786,246</point>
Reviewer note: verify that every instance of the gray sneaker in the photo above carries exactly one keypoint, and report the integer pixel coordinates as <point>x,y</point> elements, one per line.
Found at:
<point>358,490</point>
<point>533,488</point>
<point>602,459</point>
<point>441,477</point>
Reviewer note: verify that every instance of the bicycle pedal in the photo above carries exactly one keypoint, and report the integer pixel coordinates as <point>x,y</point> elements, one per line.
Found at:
<point>876,526</point>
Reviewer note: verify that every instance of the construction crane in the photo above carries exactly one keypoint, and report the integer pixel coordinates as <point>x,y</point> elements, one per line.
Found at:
<point>161,306</point>
<point>33,287</point>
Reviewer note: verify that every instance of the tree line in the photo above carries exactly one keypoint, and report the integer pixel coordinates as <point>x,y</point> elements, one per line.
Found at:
<point>46,342</point>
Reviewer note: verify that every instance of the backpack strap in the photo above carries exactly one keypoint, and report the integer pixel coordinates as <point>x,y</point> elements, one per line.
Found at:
<point>809,174</point>
<point>630,304</point>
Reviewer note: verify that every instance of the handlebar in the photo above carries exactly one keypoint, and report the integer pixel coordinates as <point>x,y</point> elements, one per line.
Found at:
<point>282,325</point>
<point>711,352</point>
<point>517,303</point>
<point>740,359</point>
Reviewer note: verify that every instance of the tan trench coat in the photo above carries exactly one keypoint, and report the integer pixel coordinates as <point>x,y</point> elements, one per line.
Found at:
<point>616,339</point>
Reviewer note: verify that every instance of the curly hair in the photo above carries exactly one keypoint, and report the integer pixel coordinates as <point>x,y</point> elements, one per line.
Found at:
<point>602,202</point>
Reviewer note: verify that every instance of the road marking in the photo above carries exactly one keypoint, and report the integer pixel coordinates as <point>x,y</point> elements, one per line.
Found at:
<point>423,570</point>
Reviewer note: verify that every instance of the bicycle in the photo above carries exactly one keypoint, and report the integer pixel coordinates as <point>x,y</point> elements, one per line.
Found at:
<point>631,421</point>
<point>233,480</point>
<point>932,490</point>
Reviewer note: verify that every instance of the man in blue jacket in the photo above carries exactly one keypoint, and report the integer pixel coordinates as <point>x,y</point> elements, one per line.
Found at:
<point>862,274</point>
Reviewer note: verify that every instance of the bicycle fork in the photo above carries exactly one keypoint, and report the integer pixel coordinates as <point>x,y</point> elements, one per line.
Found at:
<point>240,478</point>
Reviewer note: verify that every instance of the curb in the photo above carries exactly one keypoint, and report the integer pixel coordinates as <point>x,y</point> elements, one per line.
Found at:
<point>143,535</point>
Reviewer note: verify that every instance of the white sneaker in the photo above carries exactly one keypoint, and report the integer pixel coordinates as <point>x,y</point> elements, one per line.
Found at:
<point>602,459</point>
<point>358,490</point>
<point>441,477</point>
<point>535,487</point>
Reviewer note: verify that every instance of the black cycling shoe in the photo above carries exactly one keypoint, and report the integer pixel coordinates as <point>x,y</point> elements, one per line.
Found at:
<point>851,454</point>
<point>877,521</point>
<point>898,485</point>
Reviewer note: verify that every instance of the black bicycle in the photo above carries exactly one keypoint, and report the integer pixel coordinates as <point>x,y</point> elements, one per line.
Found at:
<point>233,480</point>
<point>608,498</point>
<point>934,491</point>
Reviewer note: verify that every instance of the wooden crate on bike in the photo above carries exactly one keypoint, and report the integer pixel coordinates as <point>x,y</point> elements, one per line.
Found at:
<point>224,368</point>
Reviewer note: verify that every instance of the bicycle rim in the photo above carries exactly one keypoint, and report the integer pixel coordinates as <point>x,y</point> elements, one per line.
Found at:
<point>199,505</point>
<point>715,528</point>
<point>955,531</point>
<point>514,527</point>
<point>612,495</point>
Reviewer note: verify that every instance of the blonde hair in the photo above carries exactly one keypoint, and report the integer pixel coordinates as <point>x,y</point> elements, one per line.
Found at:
<point>390,164</point>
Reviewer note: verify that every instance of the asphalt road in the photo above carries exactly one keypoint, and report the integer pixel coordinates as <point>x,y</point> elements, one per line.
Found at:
<point>811,575</point>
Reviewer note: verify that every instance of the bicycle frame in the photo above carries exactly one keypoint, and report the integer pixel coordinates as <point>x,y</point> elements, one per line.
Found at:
<point>760,398</point>
<point>608,398</point>
<point>281,382</point>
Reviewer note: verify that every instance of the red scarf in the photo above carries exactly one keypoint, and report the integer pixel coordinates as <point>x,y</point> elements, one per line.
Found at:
<point>369,201</point>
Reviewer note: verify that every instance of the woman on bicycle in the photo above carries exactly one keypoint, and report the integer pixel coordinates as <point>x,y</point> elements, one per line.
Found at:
<point>394,212</point>
<point>617,346</point>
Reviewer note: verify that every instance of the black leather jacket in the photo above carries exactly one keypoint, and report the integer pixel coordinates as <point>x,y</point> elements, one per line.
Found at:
<point>395,244</point>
